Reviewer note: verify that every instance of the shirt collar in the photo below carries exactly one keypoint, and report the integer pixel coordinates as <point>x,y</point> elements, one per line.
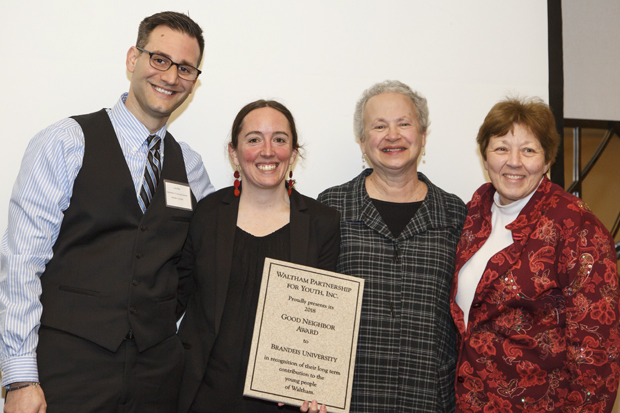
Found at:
<point>432,213</point>
<point>516,206</point>
<point>133,131</point>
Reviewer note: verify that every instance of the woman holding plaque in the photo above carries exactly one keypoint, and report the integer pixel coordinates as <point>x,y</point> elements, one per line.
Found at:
<point>399,232</point>
<point>231,233</point>
<point>535,295</point>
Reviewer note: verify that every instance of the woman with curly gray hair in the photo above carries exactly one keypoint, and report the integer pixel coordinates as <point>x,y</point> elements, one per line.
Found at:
<point>399,232</point>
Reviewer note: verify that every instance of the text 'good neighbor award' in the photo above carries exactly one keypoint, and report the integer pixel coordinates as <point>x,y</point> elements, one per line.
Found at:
<point>305,336</point>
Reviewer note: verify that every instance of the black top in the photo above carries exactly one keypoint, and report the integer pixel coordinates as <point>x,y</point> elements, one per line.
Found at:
<point>221,389</point>
<point>206,265</point>
<point>396,215</point>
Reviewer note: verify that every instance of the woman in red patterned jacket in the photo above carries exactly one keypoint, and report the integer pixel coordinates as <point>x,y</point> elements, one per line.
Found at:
<point>535,292</point>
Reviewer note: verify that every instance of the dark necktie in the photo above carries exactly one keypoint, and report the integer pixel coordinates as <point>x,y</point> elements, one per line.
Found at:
<point>152,169</point>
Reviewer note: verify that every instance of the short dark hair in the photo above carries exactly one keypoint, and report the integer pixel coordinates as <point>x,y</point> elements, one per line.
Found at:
<point>176,21</point>
<point>531,113</point>
<point>258,104</point>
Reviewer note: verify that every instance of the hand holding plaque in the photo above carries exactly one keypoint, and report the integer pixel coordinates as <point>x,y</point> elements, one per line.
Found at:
<point>305,336</point>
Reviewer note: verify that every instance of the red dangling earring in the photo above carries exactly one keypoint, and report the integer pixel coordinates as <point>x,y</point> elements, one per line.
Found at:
<point>237,183</point>
<point>290,182</point>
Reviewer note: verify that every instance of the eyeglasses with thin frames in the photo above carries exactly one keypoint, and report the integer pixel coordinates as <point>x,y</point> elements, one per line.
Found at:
<point>163,63</point>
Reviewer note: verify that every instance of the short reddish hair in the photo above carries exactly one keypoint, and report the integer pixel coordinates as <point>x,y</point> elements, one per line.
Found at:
<point>531,113</point>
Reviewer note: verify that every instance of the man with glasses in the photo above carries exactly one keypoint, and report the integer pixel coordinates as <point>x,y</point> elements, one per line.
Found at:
<point>97,221</point>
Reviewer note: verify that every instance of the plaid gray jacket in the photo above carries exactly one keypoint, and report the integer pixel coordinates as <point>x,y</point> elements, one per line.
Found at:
<point>406,353</point>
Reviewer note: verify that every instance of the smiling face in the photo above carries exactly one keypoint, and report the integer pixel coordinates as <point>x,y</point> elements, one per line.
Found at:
<point>264,150</point>
<point>153,94</point>
<point>515,163</point>
<point>392,138</point>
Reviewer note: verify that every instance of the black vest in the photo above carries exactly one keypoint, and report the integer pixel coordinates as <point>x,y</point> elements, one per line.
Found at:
<point>114,268</point>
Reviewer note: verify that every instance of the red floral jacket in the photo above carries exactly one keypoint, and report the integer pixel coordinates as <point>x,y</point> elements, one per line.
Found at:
<point>543,329</point>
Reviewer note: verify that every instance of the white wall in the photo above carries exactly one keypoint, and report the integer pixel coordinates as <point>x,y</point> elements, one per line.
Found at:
<point>67,57</point>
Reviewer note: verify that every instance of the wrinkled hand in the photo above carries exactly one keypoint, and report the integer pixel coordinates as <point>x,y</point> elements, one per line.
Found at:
<point>27,400</point>
<point>312,407</point>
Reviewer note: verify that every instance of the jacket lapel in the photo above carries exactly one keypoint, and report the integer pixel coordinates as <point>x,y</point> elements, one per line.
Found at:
<point>226,228</point>
<point>300,229</point>
<point>521,228</point>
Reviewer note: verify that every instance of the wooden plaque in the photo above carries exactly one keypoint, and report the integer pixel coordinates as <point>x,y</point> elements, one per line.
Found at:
<point>305,336</point>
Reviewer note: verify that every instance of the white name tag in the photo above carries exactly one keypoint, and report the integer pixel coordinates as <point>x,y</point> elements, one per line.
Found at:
<point>178,195</point>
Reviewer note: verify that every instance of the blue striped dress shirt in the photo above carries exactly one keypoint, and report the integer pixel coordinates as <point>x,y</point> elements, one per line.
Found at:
<point>41,194</point>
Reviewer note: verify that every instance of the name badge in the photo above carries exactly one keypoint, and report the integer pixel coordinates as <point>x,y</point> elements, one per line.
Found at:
<point>178,195</point>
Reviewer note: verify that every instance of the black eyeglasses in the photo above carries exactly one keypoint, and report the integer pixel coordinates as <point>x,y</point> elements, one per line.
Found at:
<point>163,63</point>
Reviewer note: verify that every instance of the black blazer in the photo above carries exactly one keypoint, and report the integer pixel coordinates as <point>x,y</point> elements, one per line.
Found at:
<point>204,269</point>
